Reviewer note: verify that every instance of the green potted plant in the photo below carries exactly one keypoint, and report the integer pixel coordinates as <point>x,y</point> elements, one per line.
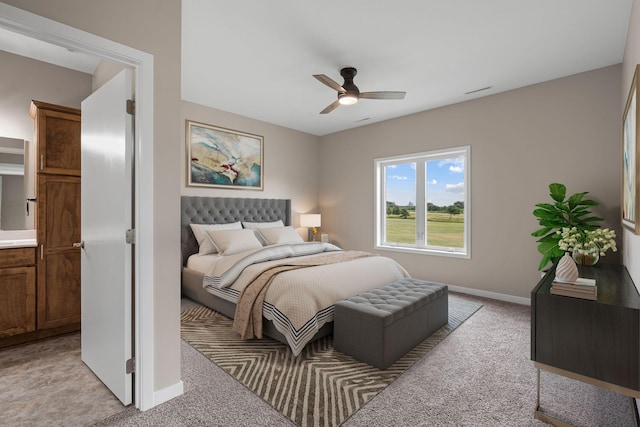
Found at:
<point>564,212</point>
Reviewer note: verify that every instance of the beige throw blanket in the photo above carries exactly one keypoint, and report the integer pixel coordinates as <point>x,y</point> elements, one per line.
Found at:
<point>248,316</point>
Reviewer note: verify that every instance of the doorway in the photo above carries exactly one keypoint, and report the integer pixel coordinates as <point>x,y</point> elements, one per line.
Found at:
<point>34,26</point>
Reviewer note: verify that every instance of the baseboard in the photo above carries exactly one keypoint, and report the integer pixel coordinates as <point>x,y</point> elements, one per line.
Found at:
<point>492,295</point>
<point>168,393</point>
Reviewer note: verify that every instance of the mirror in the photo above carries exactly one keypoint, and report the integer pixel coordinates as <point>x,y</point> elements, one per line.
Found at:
<point>15,185</point>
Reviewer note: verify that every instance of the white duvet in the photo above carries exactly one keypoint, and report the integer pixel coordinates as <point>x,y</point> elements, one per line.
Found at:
<point>299,302</point>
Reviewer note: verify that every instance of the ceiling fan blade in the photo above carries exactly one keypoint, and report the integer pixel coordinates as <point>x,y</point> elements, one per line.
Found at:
<point>330,107</point>
<point>329,82</point>
<point>383,95</point>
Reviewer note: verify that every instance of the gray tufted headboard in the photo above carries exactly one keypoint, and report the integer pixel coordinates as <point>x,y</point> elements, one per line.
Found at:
<point>221,210</point>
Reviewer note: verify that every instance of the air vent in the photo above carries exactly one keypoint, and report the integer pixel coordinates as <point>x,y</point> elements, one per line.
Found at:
<point>478,90</point>
<point>362,120</point>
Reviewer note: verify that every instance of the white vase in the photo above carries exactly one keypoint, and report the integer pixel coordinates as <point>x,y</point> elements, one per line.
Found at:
<point>566,270</point>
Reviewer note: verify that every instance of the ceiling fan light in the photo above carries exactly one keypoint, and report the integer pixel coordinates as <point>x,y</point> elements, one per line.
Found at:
<point>348,99</point>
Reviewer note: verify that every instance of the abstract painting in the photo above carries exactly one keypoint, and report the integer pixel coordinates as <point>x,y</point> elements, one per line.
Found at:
<point>223,158</point>
<point>630,176</point>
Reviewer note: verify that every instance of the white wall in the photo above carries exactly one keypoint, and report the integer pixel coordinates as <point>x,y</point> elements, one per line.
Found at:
<point>566,130</point>
<point>631,242</point>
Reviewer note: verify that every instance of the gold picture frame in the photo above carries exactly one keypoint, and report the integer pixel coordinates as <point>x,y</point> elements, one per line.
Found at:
<point>223,158</point>
<point>631,159</point>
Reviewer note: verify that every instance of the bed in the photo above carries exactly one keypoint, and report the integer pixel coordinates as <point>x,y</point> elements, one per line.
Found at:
<point>202,282</point>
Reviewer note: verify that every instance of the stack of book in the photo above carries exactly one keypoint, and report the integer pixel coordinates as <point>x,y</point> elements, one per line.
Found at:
<point>581,288</point>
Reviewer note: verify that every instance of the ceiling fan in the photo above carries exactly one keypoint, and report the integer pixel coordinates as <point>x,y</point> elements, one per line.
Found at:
<point>348,93</point>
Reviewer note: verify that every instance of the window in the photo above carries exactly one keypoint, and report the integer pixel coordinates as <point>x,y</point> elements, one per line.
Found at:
<point>422,202</point>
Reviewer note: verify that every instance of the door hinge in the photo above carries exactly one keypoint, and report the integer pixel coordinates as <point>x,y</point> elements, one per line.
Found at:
<point>130,366</point>
<point>131,236</point>
<point>131,107</point>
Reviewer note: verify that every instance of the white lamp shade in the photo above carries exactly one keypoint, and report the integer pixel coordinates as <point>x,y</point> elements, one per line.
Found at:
<point>310,220</point>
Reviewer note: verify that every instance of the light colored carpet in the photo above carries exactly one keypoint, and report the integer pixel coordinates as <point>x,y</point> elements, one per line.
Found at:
<point>47,384</point>
<point>321,387</point>
<point>480,375</point>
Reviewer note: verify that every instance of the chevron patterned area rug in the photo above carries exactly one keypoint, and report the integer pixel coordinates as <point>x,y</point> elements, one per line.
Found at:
<point>320,387</point>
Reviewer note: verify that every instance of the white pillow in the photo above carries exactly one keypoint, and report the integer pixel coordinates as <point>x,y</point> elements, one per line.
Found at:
<point>280,235</point>
<point>204,241</point>
<point>258,225</point>
<point>229,242</point>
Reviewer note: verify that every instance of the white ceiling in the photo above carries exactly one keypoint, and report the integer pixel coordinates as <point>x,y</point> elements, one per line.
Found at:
<point>256,58</point>
<point>42,51</point>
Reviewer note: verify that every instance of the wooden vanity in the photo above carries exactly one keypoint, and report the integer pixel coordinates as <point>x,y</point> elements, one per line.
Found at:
<point>17,291</point>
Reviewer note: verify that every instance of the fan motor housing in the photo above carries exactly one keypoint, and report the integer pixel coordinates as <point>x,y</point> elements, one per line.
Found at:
<point>348,73</point>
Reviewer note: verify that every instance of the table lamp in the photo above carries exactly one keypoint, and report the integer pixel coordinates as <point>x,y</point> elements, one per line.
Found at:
<point>311,221</point>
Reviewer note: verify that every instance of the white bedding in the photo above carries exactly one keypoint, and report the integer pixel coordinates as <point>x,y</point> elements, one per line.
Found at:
<point>299,302</point>
<point>202,263</point>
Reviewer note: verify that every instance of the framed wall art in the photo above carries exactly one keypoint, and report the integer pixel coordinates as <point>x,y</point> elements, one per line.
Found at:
<point>630,160</point>
<point>223,158</point>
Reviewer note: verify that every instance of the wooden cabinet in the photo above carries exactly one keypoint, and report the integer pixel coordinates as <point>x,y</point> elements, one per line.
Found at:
<point>597,342</point>
<point>17,291</point>
<point>57,131</point>
<point>57,136</point>
<point>58,229</point>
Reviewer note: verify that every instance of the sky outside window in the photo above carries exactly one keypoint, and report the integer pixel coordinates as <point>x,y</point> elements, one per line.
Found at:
<point>445,182</point>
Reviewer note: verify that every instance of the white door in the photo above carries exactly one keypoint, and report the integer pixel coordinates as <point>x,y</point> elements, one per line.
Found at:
<point>107,171</point>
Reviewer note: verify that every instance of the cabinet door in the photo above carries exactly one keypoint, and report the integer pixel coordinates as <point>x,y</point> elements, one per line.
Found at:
<point>17,300</point>
<point>58,210</point>
<point>57,139</point>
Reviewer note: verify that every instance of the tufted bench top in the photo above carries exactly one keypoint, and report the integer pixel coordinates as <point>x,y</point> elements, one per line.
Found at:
<point>395,300</point>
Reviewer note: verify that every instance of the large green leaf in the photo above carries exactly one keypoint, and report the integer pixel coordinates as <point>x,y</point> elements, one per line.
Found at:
<point>575,200</point>
<point>547,206</point>
<point>544,214</point>
<point>550,253</point>
<point>542,231</point>
<point>551,237</point>
<point>562,206</point>
<point>558,191</point>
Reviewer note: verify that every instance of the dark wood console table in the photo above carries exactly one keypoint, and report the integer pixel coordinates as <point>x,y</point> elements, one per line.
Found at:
<point>597,342</point>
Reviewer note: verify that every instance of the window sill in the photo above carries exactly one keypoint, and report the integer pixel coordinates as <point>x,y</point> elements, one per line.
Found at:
<point>424,251</point>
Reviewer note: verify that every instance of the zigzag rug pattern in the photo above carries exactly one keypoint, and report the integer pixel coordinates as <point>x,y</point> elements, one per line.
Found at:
<point>320,387</point>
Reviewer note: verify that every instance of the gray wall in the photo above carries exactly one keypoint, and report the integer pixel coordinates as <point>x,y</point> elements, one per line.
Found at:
<point>566,130</point>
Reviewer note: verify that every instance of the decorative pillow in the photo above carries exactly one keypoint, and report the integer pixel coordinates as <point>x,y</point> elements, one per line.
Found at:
<point>279,235</point>
<point>204,241</point>
<point>229,242</point>
<point>258,225</point>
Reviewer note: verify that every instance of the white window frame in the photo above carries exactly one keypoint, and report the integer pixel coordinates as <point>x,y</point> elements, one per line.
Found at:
<point>421,201</point>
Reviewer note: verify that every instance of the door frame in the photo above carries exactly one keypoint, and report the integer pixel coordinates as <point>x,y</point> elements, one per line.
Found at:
<point>41,28</point>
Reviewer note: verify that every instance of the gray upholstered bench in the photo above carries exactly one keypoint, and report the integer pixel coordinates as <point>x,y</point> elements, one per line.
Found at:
<point>378,327</point>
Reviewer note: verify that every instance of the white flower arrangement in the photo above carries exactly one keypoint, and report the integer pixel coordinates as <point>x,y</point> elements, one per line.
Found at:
<point>592,242</point>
